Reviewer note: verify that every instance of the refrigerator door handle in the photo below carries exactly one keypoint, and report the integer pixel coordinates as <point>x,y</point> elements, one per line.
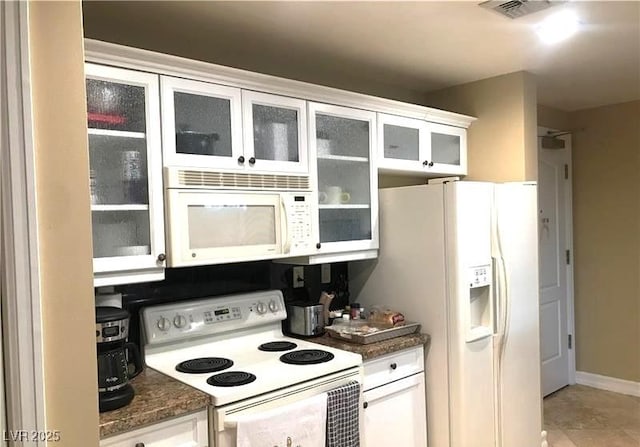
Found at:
<point>495,296</point>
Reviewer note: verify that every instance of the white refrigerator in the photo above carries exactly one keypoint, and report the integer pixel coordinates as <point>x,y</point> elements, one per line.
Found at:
<point>461,258</point>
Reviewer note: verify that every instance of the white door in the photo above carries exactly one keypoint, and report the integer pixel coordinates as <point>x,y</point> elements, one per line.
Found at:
<point>402,143</point>
<point>123,115</point>
<point>275,132</point>
<point>201,124</point>
<point>554,203</point>
<point>447,149</point>
<point>395,414</point>
<point>341,145</point>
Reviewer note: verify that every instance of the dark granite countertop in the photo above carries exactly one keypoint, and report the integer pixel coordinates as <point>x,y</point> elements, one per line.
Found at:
<point>373,350</point>
<point>157,397</point>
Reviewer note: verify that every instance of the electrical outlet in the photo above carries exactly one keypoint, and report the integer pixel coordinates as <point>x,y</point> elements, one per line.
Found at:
<point>325,273</point>
<point>298,277</point>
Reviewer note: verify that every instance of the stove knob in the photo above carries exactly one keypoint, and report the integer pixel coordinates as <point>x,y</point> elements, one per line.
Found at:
<point>180,321</point>
<point>164,324</point>
<point>273,306</point>
<point>261,308</point>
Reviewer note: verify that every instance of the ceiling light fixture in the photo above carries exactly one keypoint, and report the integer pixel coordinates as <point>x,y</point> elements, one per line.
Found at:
<point>558,27</point>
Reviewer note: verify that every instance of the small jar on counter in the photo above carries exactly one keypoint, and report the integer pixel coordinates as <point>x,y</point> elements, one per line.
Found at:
<point>355,311</point>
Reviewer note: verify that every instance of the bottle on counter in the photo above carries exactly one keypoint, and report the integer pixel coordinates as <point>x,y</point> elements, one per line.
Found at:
<point>355,311</point>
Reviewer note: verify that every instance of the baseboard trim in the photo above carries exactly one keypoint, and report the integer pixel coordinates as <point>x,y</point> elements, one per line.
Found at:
<point>608,383</point>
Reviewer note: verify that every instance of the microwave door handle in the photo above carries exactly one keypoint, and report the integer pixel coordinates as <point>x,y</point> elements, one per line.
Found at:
<point>284,217</point>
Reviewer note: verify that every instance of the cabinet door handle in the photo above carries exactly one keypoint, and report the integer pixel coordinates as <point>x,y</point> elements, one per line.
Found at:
<point>252,160</point>
<point>393,366</point>
<point>430,163</point>
<point>425,163</point>
<point>364,405</point>
<point>139,444</point>
<point>162,257</point>
<point>318,245</point>
<point>241,159</point>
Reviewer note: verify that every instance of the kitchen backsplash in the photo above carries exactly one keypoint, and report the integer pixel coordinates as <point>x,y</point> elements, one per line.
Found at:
<point>216,280</point>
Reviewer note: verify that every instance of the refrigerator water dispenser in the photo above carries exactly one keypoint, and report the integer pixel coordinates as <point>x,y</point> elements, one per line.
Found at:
<point>480,307</point>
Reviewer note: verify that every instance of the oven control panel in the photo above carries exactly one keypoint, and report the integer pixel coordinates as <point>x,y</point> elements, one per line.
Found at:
<point>209,316</point>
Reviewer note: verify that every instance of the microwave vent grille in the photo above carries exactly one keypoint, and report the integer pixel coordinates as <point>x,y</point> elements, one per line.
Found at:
<point>208,179</point>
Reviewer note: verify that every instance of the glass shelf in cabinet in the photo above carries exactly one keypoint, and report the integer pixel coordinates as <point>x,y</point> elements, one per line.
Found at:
<point>343,158</point>
<point>345,206</point>
<point>125,207</point>
<point>115,133</point>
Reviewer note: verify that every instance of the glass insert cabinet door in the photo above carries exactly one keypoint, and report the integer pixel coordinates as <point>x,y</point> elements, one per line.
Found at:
<point>403,142</point>
<point>201,124</point>
<point>124,168</point>
<point>346,177</point>
<point>448,148</point>
<point>275,132</point>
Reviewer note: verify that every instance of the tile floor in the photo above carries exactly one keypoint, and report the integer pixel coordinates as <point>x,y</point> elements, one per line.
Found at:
<point>580,416</point>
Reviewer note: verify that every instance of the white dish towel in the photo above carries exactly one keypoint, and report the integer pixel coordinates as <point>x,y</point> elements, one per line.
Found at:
<point>300,424</point>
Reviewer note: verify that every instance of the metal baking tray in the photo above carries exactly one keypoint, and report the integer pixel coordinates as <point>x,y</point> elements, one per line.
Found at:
<point>349,332</point>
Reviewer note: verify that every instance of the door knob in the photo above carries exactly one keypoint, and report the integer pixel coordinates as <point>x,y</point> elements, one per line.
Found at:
<point>252,160</point>
<point>162,257</point>
<point>241,159</point>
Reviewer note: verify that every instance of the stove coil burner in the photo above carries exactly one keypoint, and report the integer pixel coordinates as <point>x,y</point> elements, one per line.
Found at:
<point>306,357</point>
<point>204,365</point>
<point>275,346</point>
<point>231,378</point>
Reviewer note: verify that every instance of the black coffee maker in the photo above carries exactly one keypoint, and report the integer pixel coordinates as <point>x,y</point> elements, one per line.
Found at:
<point>112,329</point>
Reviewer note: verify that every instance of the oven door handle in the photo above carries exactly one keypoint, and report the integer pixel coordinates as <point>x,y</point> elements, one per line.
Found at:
<point>284,218</point>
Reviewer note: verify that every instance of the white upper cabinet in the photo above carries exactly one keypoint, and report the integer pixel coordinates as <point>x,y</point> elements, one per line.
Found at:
<point>448,149</point>
<point>244,132</point>
<point>403,142</point>
<point>208,125</point>
<point>415,146</point>
<point>342,142</point>
<point>201,124</point>
<point>275,133</point>
<point>125,175</point>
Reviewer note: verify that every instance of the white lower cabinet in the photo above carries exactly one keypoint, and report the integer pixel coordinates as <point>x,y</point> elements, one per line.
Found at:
<point>184,431</point>
<point>394,408</point>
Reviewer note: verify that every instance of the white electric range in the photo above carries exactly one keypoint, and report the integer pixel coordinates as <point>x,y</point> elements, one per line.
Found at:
<point>232,348</point>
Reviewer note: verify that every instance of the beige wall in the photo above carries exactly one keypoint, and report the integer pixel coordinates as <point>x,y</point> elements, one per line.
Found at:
<point>502,142</point>
<point>64,227</point>
<point>553,118</point>
<point>606,212</point>
<point>393,181</point>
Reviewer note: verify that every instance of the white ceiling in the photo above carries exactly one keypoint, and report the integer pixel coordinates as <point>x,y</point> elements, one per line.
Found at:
<point>419,46</point>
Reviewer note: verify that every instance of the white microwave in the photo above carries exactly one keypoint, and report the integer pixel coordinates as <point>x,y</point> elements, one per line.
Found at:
<point>207,226</point>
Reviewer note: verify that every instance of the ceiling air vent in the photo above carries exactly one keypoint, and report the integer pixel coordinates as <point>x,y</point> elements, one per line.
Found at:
<point>518,8</point>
